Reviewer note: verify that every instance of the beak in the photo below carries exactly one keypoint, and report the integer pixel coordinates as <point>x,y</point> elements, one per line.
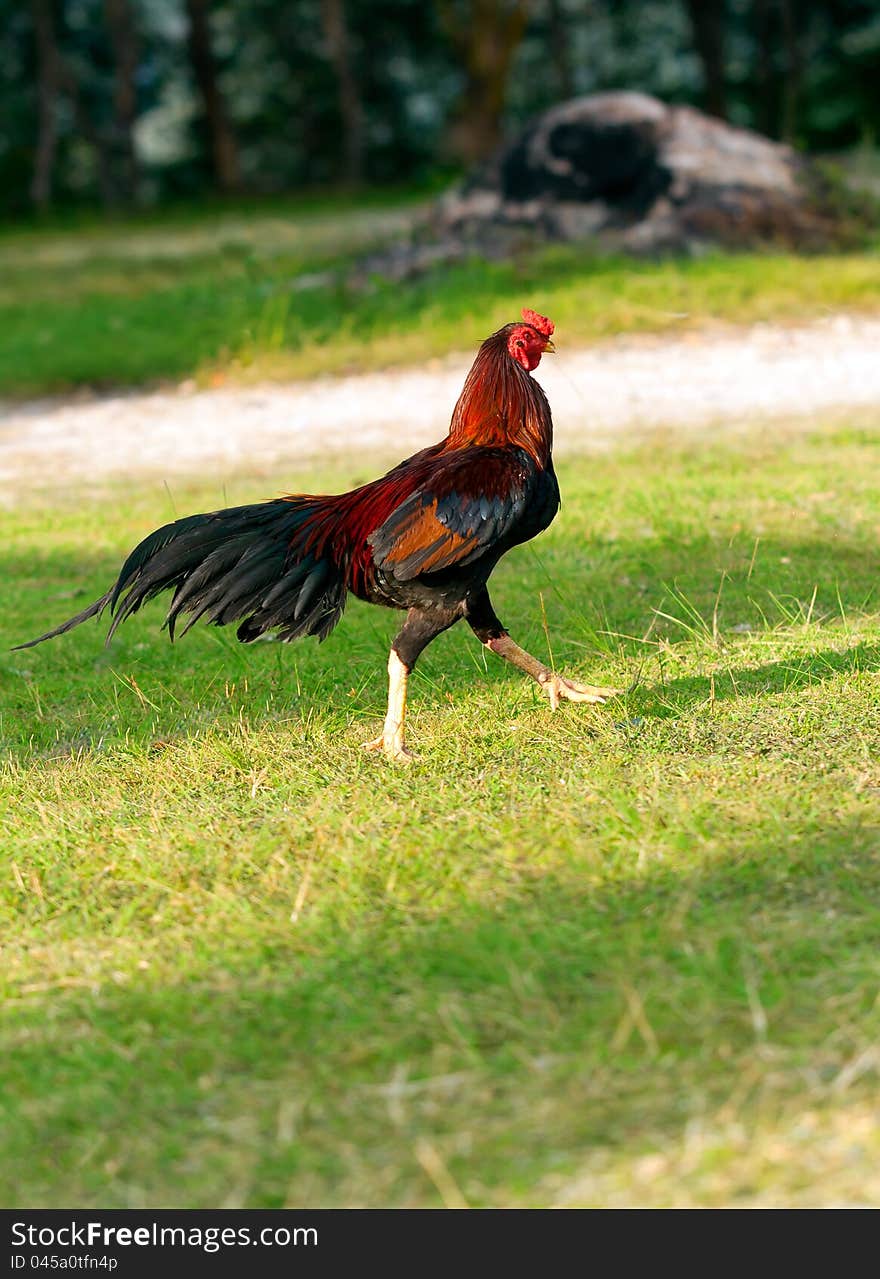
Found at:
<point>550,348</point>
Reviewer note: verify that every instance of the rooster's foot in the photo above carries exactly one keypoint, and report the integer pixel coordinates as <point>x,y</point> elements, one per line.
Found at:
<point>558,687</point>
<point>392,746</point>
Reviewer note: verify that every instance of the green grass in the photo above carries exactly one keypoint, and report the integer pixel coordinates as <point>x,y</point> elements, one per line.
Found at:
<point>239,295</point>
<point>616,955</point>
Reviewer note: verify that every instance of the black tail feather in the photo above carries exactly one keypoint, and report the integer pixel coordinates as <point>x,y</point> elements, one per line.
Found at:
<point>251,564</point>
<point>93,610</point>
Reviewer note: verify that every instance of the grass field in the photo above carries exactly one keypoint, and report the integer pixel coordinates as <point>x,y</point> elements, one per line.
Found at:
<point>261,293</point>
<point>617,955</point>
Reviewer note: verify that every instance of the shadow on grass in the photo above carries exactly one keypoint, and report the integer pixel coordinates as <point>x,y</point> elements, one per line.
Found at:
<point>517,1035</point>
<point>802,670</point>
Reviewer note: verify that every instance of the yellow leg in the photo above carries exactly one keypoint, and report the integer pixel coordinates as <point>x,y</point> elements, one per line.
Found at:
<point>390,740</point>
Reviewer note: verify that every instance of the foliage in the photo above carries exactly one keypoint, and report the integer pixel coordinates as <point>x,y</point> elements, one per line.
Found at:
<point>411,83</point>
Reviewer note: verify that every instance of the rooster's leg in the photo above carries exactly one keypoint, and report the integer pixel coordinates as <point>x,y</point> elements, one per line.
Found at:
<point>390,740</point>
<point>489,630</point>
<point>417,632</point>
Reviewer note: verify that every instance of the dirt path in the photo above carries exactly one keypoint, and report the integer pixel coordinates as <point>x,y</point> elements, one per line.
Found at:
<point>613,389</point>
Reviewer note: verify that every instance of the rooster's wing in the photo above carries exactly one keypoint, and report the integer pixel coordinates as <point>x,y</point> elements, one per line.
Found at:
<point>470,503</point>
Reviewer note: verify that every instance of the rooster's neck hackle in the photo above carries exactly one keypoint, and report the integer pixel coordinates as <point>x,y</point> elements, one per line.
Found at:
<point>502,405</point>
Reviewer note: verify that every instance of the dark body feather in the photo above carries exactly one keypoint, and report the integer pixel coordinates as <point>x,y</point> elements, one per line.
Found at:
<point>424,537</point>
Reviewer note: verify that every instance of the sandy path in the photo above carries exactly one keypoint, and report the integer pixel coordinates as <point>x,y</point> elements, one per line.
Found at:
<point>598,394</point>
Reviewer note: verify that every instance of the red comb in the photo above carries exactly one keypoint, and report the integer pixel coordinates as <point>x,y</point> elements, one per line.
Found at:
<point>539,322</point>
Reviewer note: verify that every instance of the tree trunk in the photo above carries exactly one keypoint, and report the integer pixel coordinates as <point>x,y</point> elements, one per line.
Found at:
<point>560,47</point>
<point>56,79</point>
<point>707,22</point>
<point>791,87</point>
<point>351,108</point>
<point>485,34</point>
<point>766,114</point>
<point>120,25</point>
<point>224,151</point>
<point>48,89</point>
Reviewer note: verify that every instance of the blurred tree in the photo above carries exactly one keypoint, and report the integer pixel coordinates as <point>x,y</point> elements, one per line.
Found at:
<point>708,20</point>
<point>120,25</point>
<point>111,100</point>
<point>779,33</point>
<point>92,134</point>
<point>559,34</point>
<point>60,85</point>
<point>223,146</point>
<point>765,109</point>
<point>793,70</point>
<point>48,92</point>
<point>485,35</point>
<point>337,35</point>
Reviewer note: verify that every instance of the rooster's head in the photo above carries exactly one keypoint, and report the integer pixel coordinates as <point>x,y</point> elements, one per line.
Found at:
<point>527,342</point>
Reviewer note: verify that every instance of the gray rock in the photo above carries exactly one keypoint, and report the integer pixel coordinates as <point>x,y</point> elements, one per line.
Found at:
<point>623,171</point>
<point>629,170</point>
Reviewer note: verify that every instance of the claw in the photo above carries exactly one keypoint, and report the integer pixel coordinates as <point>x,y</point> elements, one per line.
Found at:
<point>557,686</point>
<point>394,750</point>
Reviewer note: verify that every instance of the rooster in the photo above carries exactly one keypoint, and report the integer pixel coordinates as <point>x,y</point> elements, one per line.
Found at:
<point>424,539</point>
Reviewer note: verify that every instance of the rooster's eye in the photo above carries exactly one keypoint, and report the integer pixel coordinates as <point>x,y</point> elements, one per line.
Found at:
<point>520,342</point>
